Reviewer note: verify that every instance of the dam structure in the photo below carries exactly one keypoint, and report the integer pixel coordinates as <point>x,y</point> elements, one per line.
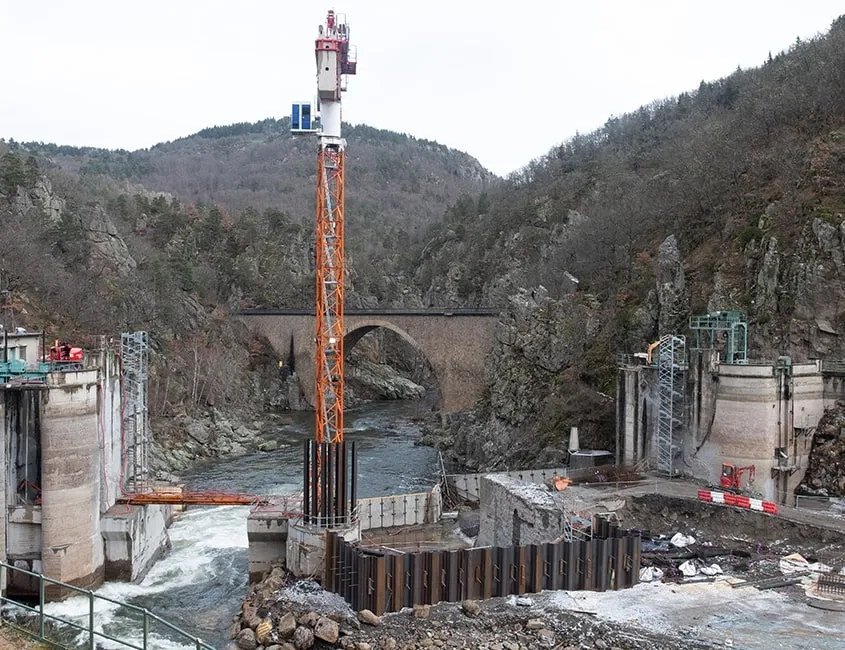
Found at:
<point>64,466</point>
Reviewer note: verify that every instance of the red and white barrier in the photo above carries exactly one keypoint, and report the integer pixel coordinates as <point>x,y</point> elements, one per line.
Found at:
<point>738,500</point>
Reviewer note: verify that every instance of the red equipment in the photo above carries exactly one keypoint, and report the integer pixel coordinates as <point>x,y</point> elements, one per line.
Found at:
<point>61,351</point>
<point>731,475</point>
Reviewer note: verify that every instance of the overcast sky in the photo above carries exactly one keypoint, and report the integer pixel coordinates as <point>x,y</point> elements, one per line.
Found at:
<point>504,81</point>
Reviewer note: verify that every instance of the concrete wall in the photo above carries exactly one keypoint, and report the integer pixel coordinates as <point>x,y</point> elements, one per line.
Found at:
<point>456,347</point>
<point>134,538</point>
<point>72,549</point>
<point>400,510</point>
<point>109,413</point>
<point>69,435</point>
<point>834,388</point>
<point>514,513</point>
<point>468,486</point>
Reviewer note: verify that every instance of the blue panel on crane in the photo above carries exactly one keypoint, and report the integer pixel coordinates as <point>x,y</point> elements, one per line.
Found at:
<point>294,118</point>
<point>301,117</point>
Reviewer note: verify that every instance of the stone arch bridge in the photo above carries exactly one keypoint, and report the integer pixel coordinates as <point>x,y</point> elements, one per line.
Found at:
<point>454,342</point>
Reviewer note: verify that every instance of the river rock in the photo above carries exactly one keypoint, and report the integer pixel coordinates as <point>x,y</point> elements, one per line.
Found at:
<point>250,615</point>
<point>534,624</point>
<point>303,638</point>
<point>309,619</point>
<point>246,640</point>
<point>234,629</point>
<point>422,611</point>
<point>326,630</point>
<point>546,637</point>
<point>471,608</point>
<point>269,445</point>
<point>366,616</point>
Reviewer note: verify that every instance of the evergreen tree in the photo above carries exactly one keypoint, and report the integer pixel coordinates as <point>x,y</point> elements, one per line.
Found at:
<point>32,171</point>
<point>12,173</point>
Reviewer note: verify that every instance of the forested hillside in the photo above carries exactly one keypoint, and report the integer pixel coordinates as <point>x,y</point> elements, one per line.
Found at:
<point>728,197</point>
<point>396,185</point>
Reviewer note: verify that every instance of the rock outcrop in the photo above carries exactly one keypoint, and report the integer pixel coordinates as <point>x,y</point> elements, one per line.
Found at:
<point>825,474</point>
<point>534,395</point>
<point>106,243</point>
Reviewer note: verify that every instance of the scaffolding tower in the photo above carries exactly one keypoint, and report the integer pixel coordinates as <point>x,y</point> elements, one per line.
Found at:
<point>671,367</point>
<point>134,358</point>
<point>732,323</point>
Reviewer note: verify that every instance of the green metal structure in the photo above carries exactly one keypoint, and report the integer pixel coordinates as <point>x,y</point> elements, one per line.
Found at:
<point>732,324</point>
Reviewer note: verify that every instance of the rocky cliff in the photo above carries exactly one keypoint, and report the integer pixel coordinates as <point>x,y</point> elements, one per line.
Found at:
<point>534,393</point>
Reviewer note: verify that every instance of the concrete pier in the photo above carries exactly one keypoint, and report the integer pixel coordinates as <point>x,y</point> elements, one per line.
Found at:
<point>267,531</point>
<point>71,546</point>
<point>135,537</point>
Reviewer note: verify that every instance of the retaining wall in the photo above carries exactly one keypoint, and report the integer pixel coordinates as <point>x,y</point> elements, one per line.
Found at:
<point>387,582</point>
<point>400,509</point>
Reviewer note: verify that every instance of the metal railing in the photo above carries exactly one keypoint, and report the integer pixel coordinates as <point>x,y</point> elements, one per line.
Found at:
<point>46,627</point>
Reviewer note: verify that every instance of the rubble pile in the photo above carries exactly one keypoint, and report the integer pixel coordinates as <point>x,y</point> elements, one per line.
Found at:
<point>826,468</point>
<point>282,613</point>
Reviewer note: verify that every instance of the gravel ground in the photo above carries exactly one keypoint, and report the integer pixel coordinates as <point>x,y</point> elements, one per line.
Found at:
<point>11,640</point>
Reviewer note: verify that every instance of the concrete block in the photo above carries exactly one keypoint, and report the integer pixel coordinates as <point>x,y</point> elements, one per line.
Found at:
<point>515,513</point>
<point>135,537</point>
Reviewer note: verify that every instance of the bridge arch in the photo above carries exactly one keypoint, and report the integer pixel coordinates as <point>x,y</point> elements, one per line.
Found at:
<point>454,343</point>
<point>364,327</point>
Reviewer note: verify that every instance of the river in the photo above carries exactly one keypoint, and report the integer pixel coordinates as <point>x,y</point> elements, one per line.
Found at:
<point>199,585</point>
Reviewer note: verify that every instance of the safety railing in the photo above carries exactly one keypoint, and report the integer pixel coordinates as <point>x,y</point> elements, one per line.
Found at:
<point>34,621</point>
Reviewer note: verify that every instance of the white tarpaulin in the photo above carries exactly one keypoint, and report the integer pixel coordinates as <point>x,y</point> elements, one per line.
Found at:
<point>680,540</point>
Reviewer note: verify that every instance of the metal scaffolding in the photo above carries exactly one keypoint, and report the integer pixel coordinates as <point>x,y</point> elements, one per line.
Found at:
<point>732,323</point>
<point>134,358</point>
<point>671,367</point>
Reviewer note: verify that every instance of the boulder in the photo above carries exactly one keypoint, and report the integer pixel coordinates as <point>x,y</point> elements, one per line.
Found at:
<point>286,626</point>
<point>303,638</point>
<point>246,640</point>
<point>366,616</point>
<point>326,630</point>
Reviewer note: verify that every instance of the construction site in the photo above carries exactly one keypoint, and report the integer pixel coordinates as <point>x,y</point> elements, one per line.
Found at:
<point>695,506</point>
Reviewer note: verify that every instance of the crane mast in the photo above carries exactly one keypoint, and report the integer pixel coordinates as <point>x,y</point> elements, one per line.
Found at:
<point>333,64</point>
<point>329,493</point>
